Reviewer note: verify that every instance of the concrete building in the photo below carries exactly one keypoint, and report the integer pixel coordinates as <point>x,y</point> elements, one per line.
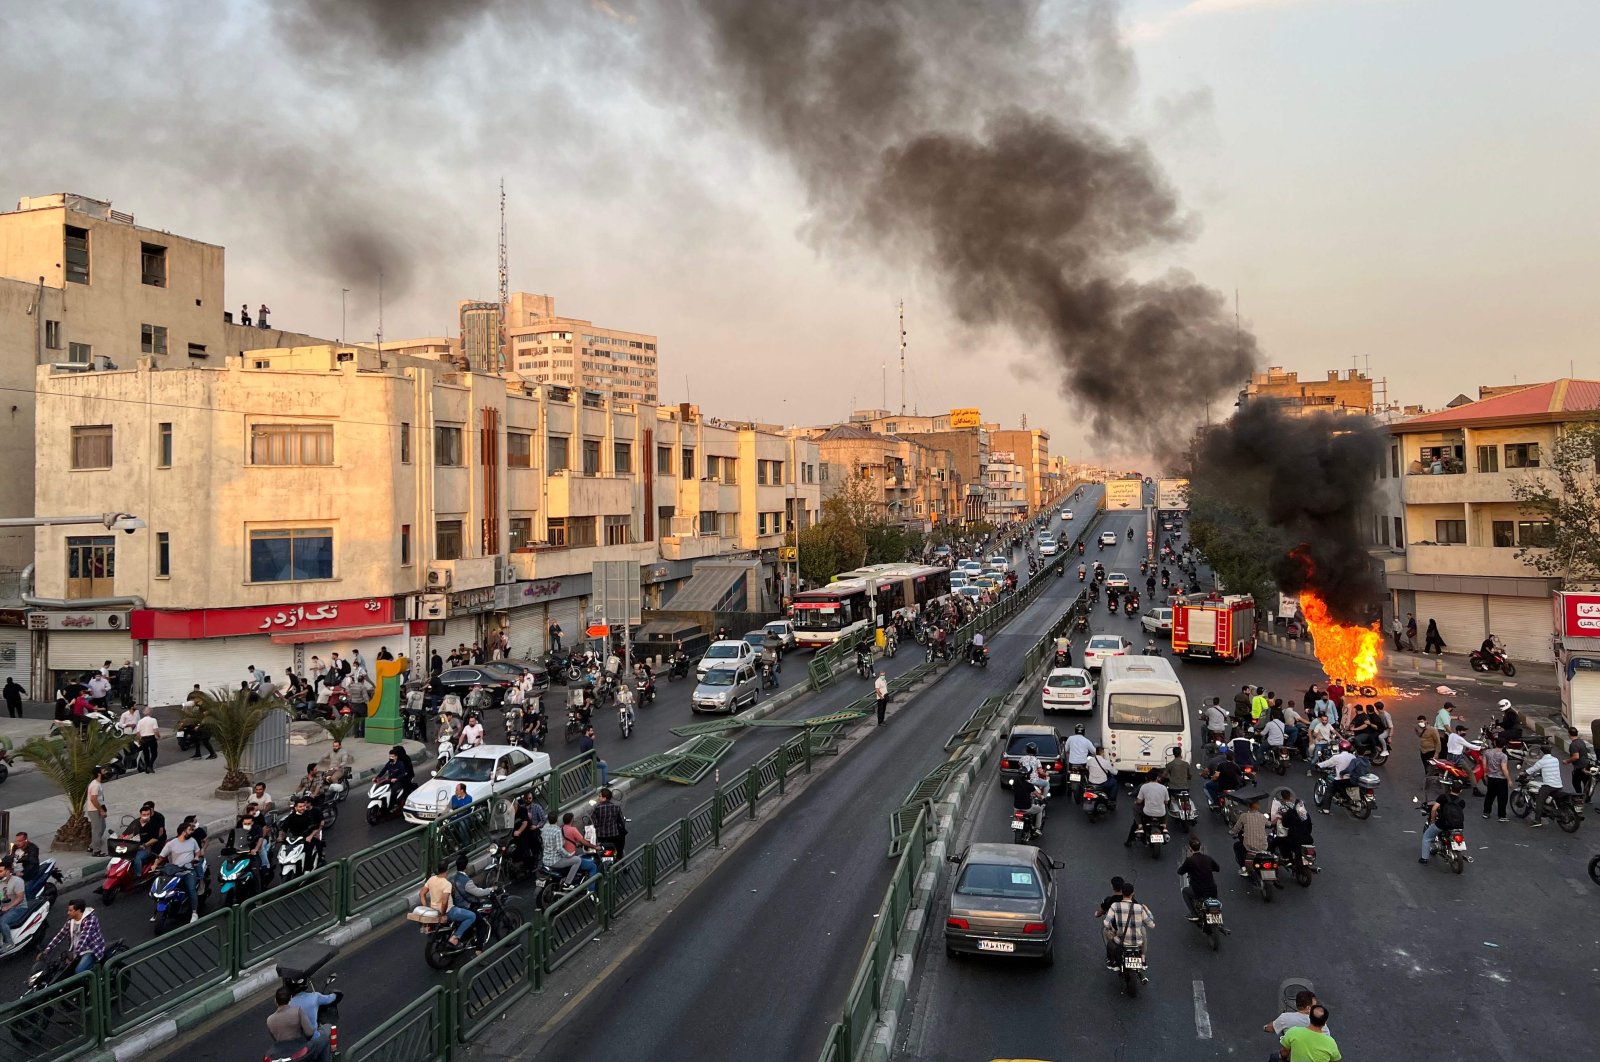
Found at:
<point>1461,528</point>
<point>570,352</point>
<point>1031,448</point>
<point>480,336</point>
<point>1347,392</point>
<point>397,502</point>
<point>1005,489</point>
<point>912,484</point>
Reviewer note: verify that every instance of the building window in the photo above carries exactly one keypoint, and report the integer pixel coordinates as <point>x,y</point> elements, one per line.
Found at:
<point>664,515</point>
<point>1450,532</point>
<point>52,335</point>
<point>686,464</point>
<point>1522,455</point>
<point>724,469</point>
<point>519,449</point>
<point>1399,534</point>
<point>447,540</point>
<point>1502,532</point>
<point>77,254</point>
<point>198,350</point>
<point>91,446</point>
<point>1488,459</point>
<point>521,532</point>
<point>91,566</point>
<point>291,444</point>
<point>405,442</point>
<point>291,554</point>
<point>557,453</point>
<point>591,457</point>
<point>619,530</point>
<point>1533,533</point>
<point>571,531</point>
<point>163,555</point>
<point>153,265</point>
<point>164,444</point>
<point>663,460</point>
<point>80,353</point>
<point>622,459</point>
<point>446,446</point>
<point>405,545</point>
<point>153,338</point>
<point>708,522</point>
<point>556,530</point>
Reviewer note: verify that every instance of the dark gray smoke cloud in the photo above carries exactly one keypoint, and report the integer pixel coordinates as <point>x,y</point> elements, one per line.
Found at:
<point>1311,478</point>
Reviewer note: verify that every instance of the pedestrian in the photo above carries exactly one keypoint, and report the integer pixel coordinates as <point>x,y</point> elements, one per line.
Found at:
<point>357,661</point>
<point>1434,642</point>
<point>586,745</point>
<point>555,636</point>
<point>880,689</point>
<point>1444,722</point>
<point>95,803</point>
<point>122,682</point>
<point>1398,630</point>
<point>149,735</point>
<point>1496,779</point>
<point>261,317</point>
<point>1411,631</point>
<point>1430,746</point>
<point>200,735</point>
<point>435,664</point>
<point>13,696</point>
<point>384,654</point>
<point>610,825</point>
<point>244,315</point>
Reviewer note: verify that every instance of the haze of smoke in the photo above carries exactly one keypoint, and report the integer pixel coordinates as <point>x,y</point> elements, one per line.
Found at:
<point>1311,478</point>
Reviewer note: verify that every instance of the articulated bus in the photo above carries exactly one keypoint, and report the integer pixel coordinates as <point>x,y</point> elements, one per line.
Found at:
<point>850,603</point>
<point>1144,714</point>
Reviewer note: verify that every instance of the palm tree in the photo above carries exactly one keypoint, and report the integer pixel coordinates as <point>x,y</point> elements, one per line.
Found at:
<point>69,761</point>
<point>339,729</point>
<point>231,717</point>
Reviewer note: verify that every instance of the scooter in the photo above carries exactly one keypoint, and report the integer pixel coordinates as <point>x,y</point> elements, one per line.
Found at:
<point>172,902</point>
<point>48,876</point>
<point>1181,809</point>
<point>35,925</point>
<point>384,798</point>
<point>296,858</point>
<point>1095,804</point>
<point>239,876</point>
<point>120,877</point>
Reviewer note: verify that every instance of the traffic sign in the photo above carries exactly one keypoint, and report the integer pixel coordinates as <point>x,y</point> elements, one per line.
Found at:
<point>788,553</point>
<point>597,630</point>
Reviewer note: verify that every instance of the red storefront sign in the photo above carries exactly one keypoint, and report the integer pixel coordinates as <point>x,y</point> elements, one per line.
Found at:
<point>1579,614</point>
<point>146,624</point>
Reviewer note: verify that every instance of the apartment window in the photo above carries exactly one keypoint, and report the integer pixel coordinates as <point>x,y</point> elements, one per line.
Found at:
<point>1488,459</point>
<point>1522,455</point>
<point>708,521</point>
<point>822,473</point>
<point>519,449</point>
<point>663,460</point>
<point>686,466</point>
<point>446,446</point>
<point>591,457</point>
<point>164,444</point>
<point>1535,533</point>
<point>163,555</point>
<point>91,566</point>
<point>77,255</point>
<point>1399,534</point>
<point>91,446</point>
<point>664,515</point>
<point>198,350</point>
<point>153,265</point>
<point>521,532</point>
<point>761,473</point>
<point>1450,532</point>
<point>556,530</point>
<point>447,540</point>
<point>405,545</point>
<point>558,453</point>
<point>777,472</point>
<point>1380,530</point>
<point>52,335</point>
<point>619,530</point>
<point>291,554</point>
<point>153,338</point>
<point>291,444</point>
<point>571,531</point>
<point>724,469</point>
<point>80,353</point>
<point>622,459</point>
<point>1503,533</point>
<point>405,443</point>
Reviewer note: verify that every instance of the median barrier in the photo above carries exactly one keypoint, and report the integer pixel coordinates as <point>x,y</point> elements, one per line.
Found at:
<point>490,983</point>
<point>55,1023</point>
<point>288,913</point>
<point>376,874</point>
<point>173,968</point>
<point>421,1032</point>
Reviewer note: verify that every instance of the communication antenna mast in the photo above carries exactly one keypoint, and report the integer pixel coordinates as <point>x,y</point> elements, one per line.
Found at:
<point>380,311</point>
<point>505,283</point>
<point>902,357</point>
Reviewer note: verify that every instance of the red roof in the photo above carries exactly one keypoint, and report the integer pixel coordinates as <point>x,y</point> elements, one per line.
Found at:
<point>1553,401</point>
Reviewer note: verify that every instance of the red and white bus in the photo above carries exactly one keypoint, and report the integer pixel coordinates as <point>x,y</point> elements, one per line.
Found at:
<point>828,613</point>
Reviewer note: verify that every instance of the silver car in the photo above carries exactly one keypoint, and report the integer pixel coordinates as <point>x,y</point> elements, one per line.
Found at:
<point>1002,902</point>
<point>726,688</point>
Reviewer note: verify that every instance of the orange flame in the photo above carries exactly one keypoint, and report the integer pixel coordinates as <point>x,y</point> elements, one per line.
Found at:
<point>1345,652</point>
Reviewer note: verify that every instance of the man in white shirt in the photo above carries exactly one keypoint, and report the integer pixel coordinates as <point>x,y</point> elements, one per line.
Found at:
<point>1546,770</point>
<point>472,733</point>
<point>1151,806</point>
<point>1457,745</point>
<point>1216,721</point>
<point>1101,775</point>
<point>1273,733</point>
<point>880,690</point>
<point>1321,736</point>
<point>149,736</point>
<point>1079,748</point>
<point>128,720</point>
<point>1340,762</point>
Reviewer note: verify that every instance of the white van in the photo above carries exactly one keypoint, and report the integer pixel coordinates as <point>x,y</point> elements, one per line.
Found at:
<point>1144,713</point>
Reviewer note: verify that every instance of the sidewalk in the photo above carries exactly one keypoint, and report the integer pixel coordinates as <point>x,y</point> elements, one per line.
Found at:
<point>178,787</point>
<point>1451,667</point>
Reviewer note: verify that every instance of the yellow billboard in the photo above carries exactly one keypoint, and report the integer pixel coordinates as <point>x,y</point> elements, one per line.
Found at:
<point>965,418</point>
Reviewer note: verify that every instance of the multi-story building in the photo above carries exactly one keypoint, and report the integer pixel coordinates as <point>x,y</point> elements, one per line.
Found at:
<point>397,502</point>
<point>1347,392</point>
<point>1005,489</point>
<point>1461,527</point>
<point>1031,449</point>
<point>480,336</point>
<point>911,484</point>
<point>575,353</point>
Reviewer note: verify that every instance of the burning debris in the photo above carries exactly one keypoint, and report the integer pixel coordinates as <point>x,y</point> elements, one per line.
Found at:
<point>1347,652</point>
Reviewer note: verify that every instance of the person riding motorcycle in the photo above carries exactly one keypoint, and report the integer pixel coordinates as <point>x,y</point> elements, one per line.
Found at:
<point>1291,824</point>
<point>1028,799</point>
<point>1339,763</point>
<point>1079,748</point>
<point>863,656</point>
<point>1547,769</point>
<point>1150,806</point>
<point>1031,767</point>
<point>1447,813</point>
<point>1222,775</point>
<point>1510,724</point>
<point>304,821</point>
<point>1100,775</point>
<point>1249,836</point>
<point>398,771</point>
<point>976,652</point>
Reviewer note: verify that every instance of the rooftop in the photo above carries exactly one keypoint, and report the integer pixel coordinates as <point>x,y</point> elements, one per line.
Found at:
<point>1558,400</point>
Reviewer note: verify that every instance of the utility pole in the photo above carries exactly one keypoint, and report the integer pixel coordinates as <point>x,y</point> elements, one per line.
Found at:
<point>505,284</point>
<point>902,357</point>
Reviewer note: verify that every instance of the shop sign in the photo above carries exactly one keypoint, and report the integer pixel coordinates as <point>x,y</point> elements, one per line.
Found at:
<point>480,599</point>
<point>545,588</point>
<point>1580,614</point>
<point>271,619</point>
<point>77,621</point>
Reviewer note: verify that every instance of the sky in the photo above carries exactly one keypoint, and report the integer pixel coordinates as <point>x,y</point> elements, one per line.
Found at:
<point>1403,185</point>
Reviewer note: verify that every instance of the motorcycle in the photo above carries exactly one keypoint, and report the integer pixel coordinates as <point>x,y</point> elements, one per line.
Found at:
<point>978,655</point>
<point>295,968</point>
<point>1111,604</point>
<point>644,690</point>
<point>120,877</point>
<point>1208,920</point>
<point>1449,845</point>
<point>34,925</point>
<point>296,858</point>
<point>1567,812</point>
<point>1080,549</point>
<point>1027,827</point>
<point>1359,803</point>
<point>1081,623</point>
<point>863,666</point>
<point>1278,759</point>
<point>625,720</point>
<point>1130,969</point>
<point>48,876</point>
<point>497,918</point>
<point>678,668</point>
<point>1151,648</point>
<point>239,876</point>
<point>1301,861</point>
<point>1095,804</point>
<point>769,674</point>
<point>172,902</point>
<point>1153,833</point>
<point>1181,809</point>
<point>1262,871</point>
<point>1493,660</point>
<point>1131,607</point>
<point>385,798</point>
<point>1081,573</point>
<point>446,748</point>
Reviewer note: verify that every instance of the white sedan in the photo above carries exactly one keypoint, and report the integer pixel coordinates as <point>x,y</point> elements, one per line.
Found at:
<point>486,770</point>
<point>1102,646</point>
<point>1066,515</point>
<point>998,562</point>
<point>1048,546</point>
<point>1116,580</point>
<point>1108,538</point>
<point>1157,621</point>
<point>1068,689</point>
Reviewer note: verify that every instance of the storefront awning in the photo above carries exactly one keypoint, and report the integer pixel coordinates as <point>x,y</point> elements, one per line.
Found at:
<point>343,634</point>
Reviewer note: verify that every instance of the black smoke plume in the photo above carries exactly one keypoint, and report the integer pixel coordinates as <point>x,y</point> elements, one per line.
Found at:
<point>1310,478</point>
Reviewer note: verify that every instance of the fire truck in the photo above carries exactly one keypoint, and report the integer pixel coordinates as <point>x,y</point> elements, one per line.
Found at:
<point>1214,627</point>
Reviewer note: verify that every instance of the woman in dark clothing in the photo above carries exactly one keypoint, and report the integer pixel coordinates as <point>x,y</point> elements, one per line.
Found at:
<point>1434,643</point>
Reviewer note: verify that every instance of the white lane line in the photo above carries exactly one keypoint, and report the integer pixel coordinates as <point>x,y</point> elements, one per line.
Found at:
<point>1578,887</point>
<point>1202,1017</point>
<point>1403,892</point>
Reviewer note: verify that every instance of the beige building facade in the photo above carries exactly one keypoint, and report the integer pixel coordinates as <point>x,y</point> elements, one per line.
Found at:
<point>571,352</point>
<point>1349,391</point>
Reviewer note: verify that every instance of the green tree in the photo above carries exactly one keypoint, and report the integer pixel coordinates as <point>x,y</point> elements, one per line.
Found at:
<point>68,763</point>
<point>1569,501</point>
<point>232,721</point>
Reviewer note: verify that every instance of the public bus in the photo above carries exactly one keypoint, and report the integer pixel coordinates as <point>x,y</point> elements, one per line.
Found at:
<point>1144,713</point>
<point>852,602</point>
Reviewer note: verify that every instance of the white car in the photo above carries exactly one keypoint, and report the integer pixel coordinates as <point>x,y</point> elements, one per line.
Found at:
<point>999,563</point>
<point>729,652</point>
<point>1068,689</point>
<point>485,770</point>
<point>1066,514</point>
<point>1048,546</point>
<point>1116,580</point>
<point>1108,538</point>
<point>1157,621</point>
<point>974,592</point>
<point>971,567</point>
<point>958,579</point>
<point>1102,646</point>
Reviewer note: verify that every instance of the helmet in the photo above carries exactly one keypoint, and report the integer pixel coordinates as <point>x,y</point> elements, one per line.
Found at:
<point>1344,746</point>
<point>1078,729</point>
<point>1504,704</point>
<point>1031,748</point>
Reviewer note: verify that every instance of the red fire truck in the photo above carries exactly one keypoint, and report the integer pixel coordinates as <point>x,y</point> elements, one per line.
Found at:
<point>1214,627</point>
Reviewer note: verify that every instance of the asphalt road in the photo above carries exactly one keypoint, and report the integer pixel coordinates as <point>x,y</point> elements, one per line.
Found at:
<point>396,950</point>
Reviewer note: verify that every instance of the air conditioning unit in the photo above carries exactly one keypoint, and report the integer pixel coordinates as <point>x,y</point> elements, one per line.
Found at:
<point>433,607</point>
<point>682,526</point>
<point>439,577</point>
<point>503,571</point>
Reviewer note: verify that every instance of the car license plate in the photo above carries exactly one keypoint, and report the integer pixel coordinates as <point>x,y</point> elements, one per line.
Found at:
<point>1016,824</point>
<point>1133,962</point>
<point>1269,875</point>
<point>1458,846</point>
<point>1158,838</point>
<point>997,945</point>
<point>1213,920</point>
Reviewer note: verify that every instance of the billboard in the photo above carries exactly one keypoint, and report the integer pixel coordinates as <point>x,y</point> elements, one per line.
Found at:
<point>1578,614</point>
<point>1124,494</point>
<point>1172,494</point>
<point>965,418</point>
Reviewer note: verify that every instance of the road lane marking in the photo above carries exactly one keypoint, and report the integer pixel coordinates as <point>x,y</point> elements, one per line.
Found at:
<point>1403,892</point>
<point>1202,1017</point>
<point>1578,887</point>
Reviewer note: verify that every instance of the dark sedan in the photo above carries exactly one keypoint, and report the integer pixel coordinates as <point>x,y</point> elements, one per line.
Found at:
<point>492,677</point>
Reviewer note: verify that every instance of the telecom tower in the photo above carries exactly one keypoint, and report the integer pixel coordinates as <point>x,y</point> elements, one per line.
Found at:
<point>505,286</point>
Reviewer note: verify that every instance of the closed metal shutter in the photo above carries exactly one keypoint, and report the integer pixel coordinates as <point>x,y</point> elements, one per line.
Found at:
<point>1523,624</point>
<point>569,613</point>
<point>458,630</point>
<point>16,656</point>
<point>74,650</point>
<point>1460,619</point>
<point>527,632</point>
<point>174,665</point>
